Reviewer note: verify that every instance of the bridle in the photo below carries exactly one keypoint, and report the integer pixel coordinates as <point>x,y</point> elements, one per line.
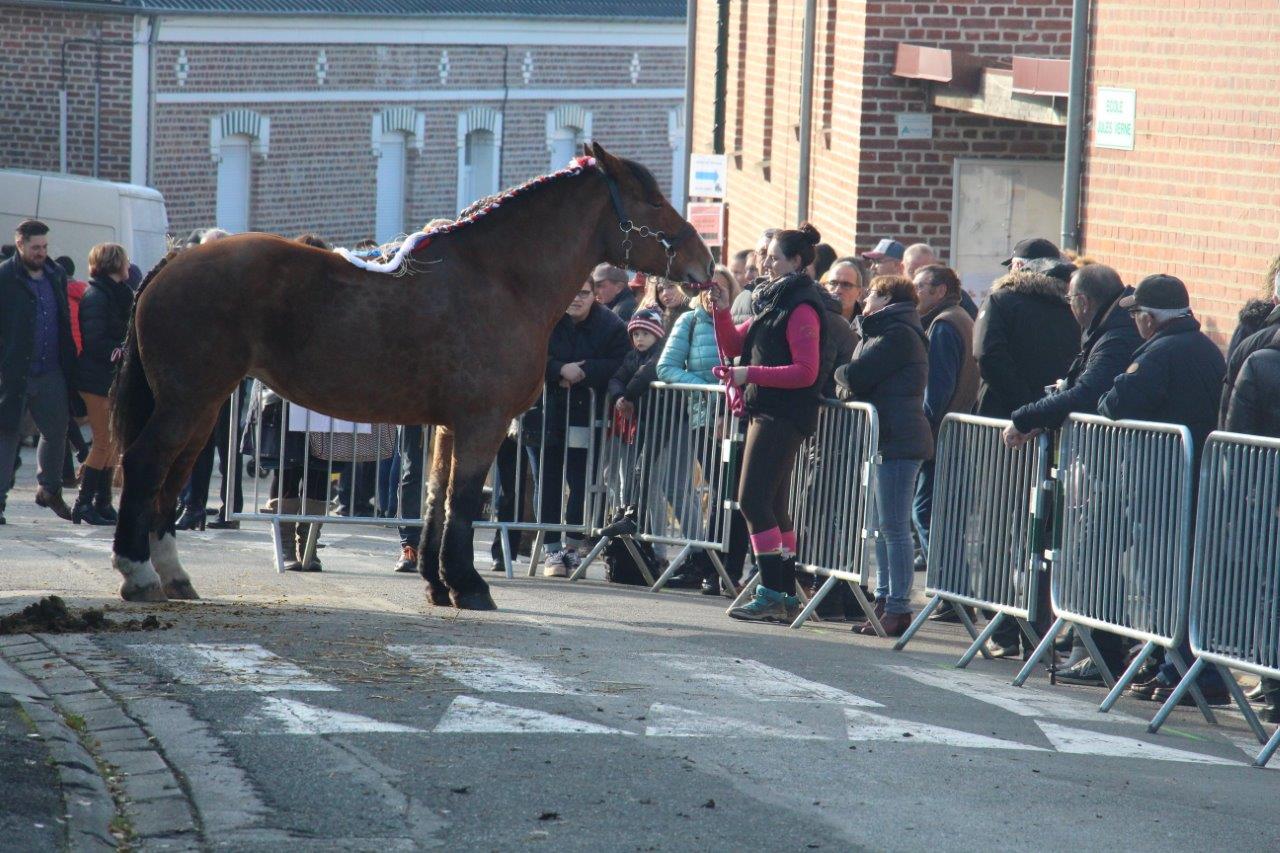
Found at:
<point>628,227</point>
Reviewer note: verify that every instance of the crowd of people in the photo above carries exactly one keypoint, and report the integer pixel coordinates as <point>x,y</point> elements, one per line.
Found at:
<point>782,326</point>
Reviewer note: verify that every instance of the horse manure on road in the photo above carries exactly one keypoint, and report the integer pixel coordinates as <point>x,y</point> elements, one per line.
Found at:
<point>50,615</point>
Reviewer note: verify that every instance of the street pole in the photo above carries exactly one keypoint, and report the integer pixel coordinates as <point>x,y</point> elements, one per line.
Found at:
<point>1073,165</point>
<point>691,45</point>
<point>806,110</point>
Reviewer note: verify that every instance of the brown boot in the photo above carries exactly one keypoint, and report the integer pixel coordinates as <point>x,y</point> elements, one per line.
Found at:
<point>300,548</point>
<point>53,501</point>
<point>287,534</point>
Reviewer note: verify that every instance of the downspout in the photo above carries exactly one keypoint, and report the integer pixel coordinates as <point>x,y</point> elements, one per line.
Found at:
<point>806,109</point>
<point>153,40</point>
<point>1073,165</point>
<point>691,44</point>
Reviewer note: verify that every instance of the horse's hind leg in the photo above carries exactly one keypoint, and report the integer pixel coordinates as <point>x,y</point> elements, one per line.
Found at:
<point>146,463</point>
<point>473,454</point>
<point>164,544</point>
<point>433,516</point>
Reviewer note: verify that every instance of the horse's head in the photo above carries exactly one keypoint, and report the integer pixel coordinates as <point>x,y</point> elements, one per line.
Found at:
<point>650,235</point>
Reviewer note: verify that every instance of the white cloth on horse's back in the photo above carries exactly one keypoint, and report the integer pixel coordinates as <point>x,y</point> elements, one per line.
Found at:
<point>410,243</point>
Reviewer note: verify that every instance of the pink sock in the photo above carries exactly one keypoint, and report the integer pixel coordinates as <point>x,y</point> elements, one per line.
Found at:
<point>788,541</point>
<point>766,541</point>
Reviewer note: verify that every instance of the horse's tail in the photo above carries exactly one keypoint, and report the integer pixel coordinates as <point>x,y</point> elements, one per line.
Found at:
<point>132,401</point>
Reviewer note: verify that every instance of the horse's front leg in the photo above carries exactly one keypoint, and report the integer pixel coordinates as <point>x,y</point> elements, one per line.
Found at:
<point>473,454</point>
<point>433,517</point>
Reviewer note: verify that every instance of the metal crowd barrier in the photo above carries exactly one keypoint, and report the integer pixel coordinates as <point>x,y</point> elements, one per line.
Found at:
<point>989,503</point>
<point>1125,558</point>
<point>1235,597</point>
<point>831,500</point>
<point>677,470</point>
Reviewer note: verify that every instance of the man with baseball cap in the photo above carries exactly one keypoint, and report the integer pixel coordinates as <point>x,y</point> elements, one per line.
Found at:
<point>609,284</point>
<point>1033,249</point>
<point>886,258</point>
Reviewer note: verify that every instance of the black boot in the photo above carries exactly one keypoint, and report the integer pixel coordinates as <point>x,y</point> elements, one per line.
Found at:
<point>84,509</point>
<point>191,519</point>
<point>102,498</point>
<point>300,544</point>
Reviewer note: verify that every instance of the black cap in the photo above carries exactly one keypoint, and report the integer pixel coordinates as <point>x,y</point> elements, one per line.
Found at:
<point>1033,249</point>
<point>1158,291</point>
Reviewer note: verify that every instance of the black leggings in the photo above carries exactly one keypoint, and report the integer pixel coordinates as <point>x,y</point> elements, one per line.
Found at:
<point>768,459</point>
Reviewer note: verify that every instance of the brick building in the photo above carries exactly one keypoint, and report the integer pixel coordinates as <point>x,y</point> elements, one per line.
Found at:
<point>349,119</point>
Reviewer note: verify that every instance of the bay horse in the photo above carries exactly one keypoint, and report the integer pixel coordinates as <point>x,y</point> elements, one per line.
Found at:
<point>458,341</point>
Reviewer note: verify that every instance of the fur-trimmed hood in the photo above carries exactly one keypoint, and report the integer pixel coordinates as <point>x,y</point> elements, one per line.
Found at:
<point>1032,284</point>
<point>1255,313</point>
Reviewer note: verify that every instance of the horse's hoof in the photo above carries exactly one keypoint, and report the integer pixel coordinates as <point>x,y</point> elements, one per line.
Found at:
<point>150,592</point>
<point>439,597</point>
<point>480,600</point>
<point>181,589</point>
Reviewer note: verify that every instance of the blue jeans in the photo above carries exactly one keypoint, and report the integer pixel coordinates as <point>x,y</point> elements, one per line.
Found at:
<point>922,507</point>
<point>891,517</point>
<point>409,502</point>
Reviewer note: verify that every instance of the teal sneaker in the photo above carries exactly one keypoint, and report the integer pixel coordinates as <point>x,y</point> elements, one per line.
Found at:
<point>791,607</point>
<point>767,605</point>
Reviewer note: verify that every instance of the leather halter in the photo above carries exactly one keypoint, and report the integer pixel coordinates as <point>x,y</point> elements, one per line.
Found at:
<point>628,227</point>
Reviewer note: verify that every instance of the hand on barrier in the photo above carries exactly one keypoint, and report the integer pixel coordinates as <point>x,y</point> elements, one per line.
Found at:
<point>1014,439</point>
<point>736,376</point>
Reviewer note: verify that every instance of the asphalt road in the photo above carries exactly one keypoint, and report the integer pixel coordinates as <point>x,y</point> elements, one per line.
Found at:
<point>342,711</point>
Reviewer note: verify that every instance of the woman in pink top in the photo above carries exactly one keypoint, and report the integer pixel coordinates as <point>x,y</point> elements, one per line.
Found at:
<point>781,375</point>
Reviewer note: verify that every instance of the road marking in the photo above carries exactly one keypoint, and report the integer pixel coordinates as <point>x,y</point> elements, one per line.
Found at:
<point>755,680</point>
<point>1081,742</point>
<point>480,716</point>
<point>1023,701</point>
<point>100,546</point>
<point>1250,747</point>
<point>230,666</point>
<point>300,718</point>
<point>486,670</point>
<point>864,726</point>
<point>674,721</point>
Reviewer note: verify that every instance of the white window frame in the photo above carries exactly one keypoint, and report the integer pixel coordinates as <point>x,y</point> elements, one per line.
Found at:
<point>395,131</point>
<point>471,121</point>
<point>568,122</point>
<point>235,137</point>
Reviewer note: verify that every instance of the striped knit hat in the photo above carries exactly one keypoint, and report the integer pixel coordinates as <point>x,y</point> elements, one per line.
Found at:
<point>650,321</point>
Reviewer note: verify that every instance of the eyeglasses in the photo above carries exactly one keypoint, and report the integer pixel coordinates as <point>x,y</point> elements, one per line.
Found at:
<point>844,285</point>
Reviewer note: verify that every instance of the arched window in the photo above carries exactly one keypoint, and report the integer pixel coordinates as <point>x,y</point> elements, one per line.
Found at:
<point>479,154</point>
<point>568,127</point>
<point>234,137</point>
<point>394,131</point>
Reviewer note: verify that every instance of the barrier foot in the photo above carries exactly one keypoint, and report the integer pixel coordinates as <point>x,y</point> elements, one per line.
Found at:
<point>815,600</point>
<point>1201,703</point>
<point>748,590</point>
<point>313,540</point>
<point>508,559</point>
<point>638,558</point>
<point>869,610</point>
<point>1118,690</point>
<point>726,583</point>
<point>1268,750</point>
<point>1174,698</point>
<point>1086,637</point>
<point>277,545</point>
<point>535,555</point>
<point>917,623</point>
<point>1046,645</point>
<point>1242,703</point>
<point>980,642</point>
<point>968,624</point>
<point>671,569</point>
<point>1029,632</point>
<point>581,571</point>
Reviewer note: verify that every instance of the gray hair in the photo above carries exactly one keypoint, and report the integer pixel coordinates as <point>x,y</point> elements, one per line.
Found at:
<point>213,234</point>
<point>918,249</point>
<point>1164,315</point>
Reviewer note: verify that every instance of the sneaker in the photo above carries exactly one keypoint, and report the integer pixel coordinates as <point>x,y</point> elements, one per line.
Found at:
<point>997,649</point>
<point>572,558</point>
<point>767,605</point>
<point>556,565</point>
<point>408,559</point>
<point>792,606</point>
<point>1083,673</point>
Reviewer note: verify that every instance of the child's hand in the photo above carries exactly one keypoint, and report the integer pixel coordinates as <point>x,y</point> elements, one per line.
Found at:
<point>625,409</point>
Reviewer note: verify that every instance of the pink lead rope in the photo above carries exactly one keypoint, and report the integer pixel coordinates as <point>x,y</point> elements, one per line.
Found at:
<point>733,394</point>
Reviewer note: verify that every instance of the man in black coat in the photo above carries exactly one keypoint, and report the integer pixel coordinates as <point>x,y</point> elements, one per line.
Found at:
<point>610,285</point>
<point>587,347</point>
<point>1024,340</point>
<point>1258,322</point>
<point>37,362</point>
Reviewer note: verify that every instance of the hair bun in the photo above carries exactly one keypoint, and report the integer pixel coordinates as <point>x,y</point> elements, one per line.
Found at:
<point>811,234</point>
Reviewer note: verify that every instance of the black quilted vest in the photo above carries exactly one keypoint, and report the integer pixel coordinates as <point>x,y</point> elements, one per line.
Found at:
<point>766,344</point>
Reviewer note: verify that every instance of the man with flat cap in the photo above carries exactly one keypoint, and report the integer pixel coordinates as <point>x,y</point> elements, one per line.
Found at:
<point>1176,374</point>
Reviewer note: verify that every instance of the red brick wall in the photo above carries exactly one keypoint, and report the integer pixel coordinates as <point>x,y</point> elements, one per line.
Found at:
<point>1199,196</point>
<point>30,66</point>
<point>865,183</point>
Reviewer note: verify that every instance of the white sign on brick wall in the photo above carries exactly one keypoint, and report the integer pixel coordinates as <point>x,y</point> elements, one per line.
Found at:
<point>707,175</point>
<point>915,126</point>
<point>1114,119</point>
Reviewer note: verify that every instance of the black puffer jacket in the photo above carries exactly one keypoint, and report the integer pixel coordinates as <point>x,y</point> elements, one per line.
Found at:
<point>1255,403</point>
<point>1240,350</point>
<point>104,321</point>
<point>600,342</point>
<point>889,370</point>
<point>1108,347</point>
<point>838,343</point>
<point>1024,340</point>
<point>1175,378</point>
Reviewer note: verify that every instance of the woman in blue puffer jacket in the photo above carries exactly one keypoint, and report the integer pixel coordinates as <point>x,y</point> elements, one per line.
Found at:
<point>689,354</point>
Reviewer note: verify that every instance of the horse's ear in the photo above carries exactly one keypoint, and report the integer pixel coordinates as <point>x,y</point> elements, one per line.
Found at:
<point>611,165</point>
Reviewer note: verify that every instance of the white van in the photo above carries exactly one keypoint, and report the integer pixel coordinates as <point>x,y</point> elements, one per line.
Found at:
<point>82,212</point>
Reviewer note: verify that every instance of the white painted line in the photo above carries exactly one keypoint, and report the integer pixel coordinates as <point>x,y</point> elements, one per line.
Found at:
<point>100,546</point>
<point>864,726</point>
<point>1023,701</point>
<point>230,666</point>
<point>674,721</point>
<point>1081,742</point>
<point>755,680</point>
<point>480,716</point>
<point>1250,747</point>
<point>300,718</point>
<point>486,670</point>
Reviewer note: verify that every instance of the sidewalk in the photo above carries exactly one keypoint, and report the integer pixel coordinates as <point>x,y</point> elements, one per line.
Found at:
<point>31,810</point>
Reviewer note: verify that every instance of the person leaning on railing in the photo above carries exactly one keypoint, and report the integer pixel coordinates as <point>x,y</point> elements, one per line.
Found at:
<point>889,370</point>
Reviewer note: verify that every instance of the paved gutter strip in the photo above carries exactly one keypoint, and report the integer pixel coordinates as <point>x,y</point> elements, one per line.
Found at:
<point>92,735</point>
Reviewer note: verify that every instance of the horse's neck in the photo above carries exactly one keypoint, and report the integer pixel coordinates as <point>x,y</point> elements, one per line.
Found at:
<point>547,247</point>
